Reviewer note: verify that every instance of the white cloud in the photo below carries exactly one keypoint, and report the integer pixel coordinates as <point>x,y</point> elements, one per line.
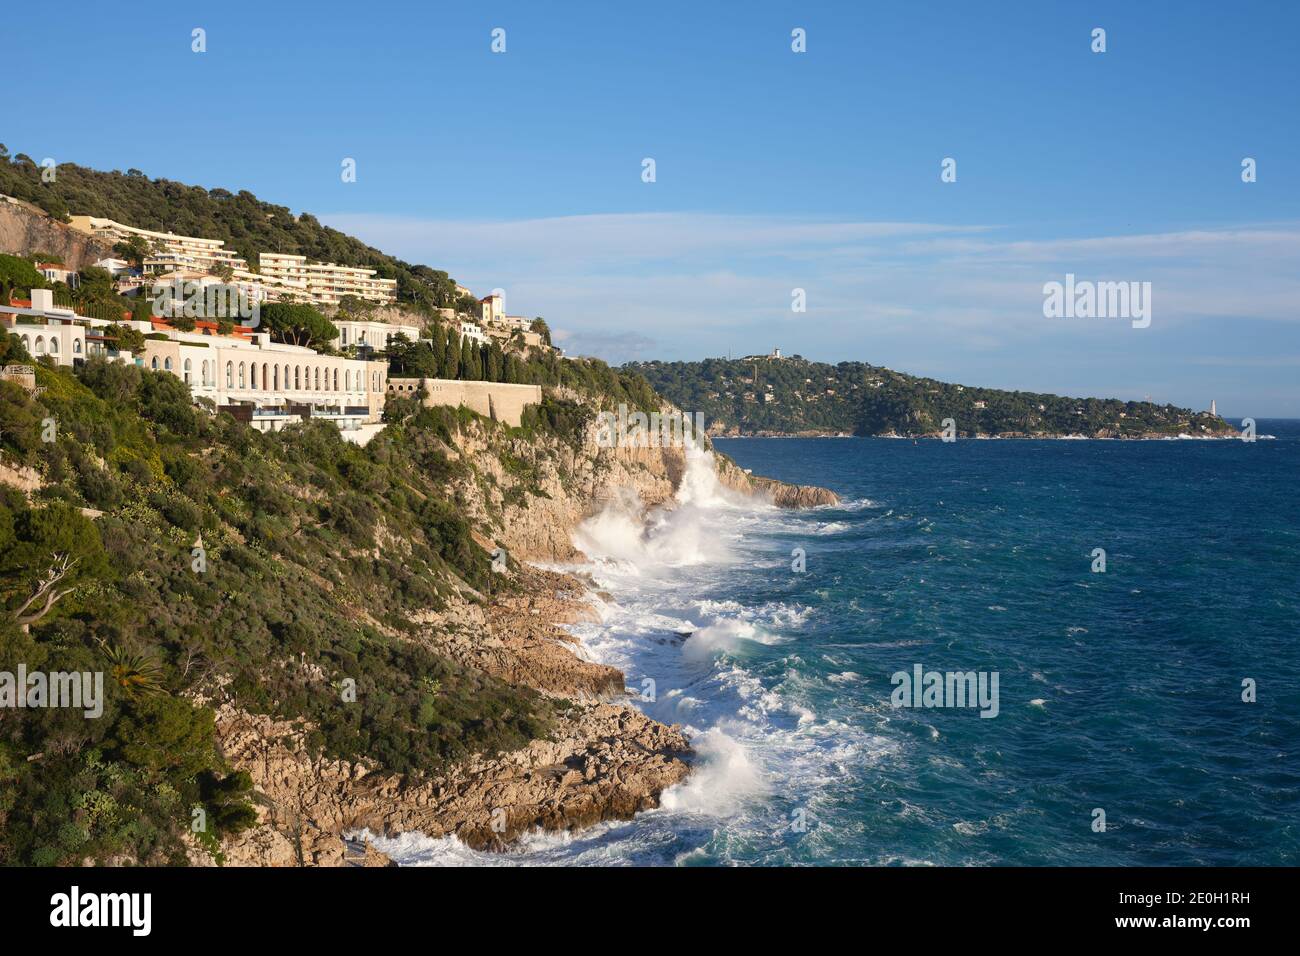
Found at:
<point>686,285</point>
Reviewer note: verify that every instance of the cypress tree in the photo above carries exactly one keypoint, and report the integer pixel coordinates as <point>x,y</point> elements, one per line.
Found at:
<point>466,360</point>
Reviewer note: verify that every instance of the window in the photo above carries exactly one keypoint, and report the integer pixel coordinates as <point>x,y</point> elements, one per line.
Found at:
<point>241,374</point>
<point>167,364</point>
<point>76,346</point>
<point>230,375</point>
<point>276,378</point>
<point>336,380</point>
<point>54,346</point>
<point>153,363</point>
<point>347,380</point>
<point>343,333</point>
<point>265,384</point>
<point>186,368</point>
<point>27,343</point>
<point>252,375</point>
<point>206,378</point>
<point>40,345</point>
<point>297,377</point>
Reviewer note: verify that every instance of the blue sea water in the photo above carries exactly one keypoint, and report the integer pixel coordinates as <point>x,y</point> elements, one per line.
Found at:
<point>1119,691</point>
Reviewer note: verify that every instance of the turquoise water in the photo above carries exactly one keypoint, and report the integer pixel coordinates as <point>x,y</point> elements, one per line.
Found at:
<point>1119,691</point>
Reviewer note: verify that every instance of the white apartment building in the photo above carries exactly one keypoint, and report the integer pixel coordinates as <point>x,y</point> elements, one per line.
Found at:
<point>325,283</point>
<point>191,252</point>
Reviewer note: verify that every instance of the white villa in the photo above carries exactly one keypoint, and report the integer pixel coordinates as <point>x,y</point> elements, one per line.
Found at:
<point>468,330</point>
<point>368,334</point>
<point>48,329</point>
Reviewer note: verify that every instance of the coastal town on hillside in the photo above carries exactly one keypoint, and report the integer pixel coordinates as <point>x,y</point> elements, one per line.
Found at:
<point>212,341</point>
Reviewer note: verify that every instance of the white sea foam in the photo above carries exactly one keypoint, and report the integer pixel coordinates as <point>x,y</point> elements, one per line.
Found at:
<point>673,618</point>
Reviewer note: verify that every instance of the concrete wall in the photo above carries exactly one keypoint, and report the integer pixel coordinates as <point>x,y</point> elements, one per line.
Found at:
<point>496,400</point>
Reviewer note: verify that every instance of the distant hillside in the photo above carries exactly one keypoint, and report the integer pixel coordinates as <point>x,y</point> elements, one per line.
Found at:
<point>793,396</point>
<point>243,221</point>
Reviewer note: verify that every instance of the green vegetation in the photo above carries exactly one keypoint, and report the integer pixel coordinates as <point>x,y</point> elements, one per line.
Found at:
<point>297,324</point>
<point>318,556</point>
<point>18,277</point>
<point>856,398</point>
<point>245,223</point>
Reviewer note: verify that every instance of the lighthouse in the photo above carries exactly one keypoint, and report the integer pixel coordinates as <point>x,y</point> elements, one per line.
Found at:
<point>1213,409</point>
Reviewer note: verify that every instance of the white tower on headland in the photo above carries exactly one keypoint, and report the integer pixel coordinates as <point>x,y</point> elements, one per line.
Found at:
<point>1213,409</point>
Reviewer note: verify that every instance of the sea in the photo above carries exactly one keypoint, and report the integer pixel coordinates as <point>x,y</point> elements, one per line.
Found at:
<point>1123,617</point>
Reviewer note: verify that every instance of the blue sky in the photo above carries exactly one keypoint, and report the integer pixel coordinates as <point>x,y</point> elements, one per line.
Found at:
<point>775,170</point>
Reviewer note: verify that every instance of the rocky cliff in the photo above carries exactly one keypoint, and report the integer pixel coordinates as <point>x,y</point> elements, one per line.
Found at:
<point>605,759</point>
<point>25,229</point>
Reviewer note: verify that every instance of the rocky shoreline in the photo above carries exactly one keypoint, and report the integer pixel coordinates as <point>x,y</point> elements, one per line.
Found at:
<point>604,759</point>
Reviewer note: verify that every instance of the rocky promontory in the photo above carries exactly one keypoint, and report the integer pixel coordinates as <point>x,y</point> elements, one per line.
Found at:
<point>603,758</point>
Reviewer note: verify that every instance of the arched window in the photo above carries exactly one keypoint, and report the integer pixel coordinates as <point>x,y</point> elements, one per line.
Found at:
<point>186,368</point>
<point>153,363</point>
<point>265,380</point>
<point>167,364</point>
<point>317,385</point>
<point>336,380</point>
<point>40,345</point>
<point>347,380</point>
<point>276,370</point>
<point>230,375</point>
<point>54,346</point>
<point>297,377</point>
<point>241,374</point>
<point>76,346</point>
<point>27,343</point>
<point>206,380</point>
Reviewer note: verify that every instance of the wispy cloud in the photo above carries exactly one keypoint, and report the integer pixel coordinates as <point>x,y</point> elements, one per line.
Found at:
<point>935,297</point>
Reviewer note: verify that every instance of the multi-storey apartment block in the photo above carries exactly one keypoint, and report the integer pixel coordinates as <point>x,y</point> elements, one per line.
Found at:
<point>325,283</point>
<point>188,252</point>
